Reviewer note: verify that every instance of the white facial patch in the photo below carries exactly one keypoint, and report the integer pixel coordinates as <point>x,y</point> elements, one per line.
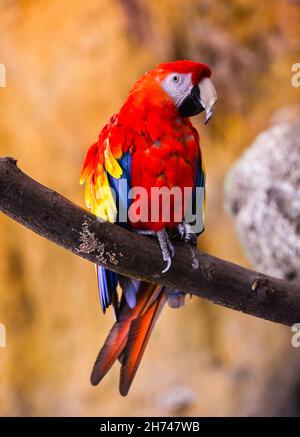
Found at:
<point>178,86</point>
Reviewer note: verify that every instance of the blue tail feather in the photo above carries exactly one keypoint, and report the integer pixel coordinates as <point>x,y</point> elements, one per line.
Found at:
<point>107,284</point>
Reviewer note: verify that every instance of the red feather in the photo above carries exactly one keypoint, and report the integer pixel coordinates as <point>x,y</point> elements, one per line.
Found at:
<point>140,330</point>
<point>116,340</point>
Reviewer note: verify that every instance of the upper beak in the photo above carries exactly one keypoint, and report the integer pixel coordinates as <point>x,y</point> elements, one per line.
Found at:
<point>208,97</point>
<point>202,97</point>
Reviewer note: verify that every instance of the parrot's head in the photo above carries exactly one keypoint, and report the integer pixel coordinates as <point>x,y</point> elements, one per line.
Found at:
<point>188,84</point>
<point>183,84</point>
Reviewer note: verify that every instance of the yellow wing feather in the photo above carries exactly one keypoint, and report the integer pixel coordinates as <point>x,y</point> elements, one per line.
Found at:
<point>111,164</point>
<point>99,196</point>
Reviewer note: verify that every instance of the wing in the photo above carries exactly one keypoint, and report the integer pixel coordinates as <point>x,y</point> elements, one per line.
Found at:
<point>102,161</point>
<point>106,173</point>
<point>199,194</point>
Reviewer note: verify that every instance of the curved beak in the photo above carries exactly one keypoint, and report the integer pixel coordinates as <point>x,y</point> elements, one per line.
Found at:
<point>202,97</point>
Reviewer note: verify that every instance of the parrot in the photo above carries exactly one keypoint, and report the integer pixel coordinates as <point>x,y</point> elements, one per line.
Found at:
<point>150,143</point>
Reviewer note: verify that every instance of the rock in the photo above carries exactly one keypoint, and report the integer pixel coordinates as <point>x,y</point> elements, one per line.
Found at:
<point>262,192</point>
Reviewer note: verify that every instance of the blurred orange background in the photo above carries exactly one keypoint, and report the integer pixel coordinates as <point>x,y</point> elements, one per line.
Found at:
<point>69,66</point>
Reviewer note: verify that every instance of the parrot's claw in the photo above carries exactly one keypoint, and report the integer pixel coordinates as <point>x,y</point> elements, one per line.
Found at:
<point>181,230</point>
<point>186,234</point>
<point>167,248</point>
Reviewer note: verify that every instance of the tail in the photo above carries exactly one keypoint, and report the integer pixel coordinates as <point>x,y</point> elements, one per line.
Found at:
<point>129,336</point>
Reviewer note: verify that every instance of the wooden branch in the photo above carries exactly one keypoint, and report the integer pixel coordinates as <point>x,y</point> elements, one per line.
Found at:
<point>54,217</point>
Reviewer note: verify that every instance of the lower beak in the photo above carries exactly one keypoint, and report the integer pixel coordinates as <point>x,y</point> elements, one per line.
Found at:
<point>202,97</point>
<point>191,104</point>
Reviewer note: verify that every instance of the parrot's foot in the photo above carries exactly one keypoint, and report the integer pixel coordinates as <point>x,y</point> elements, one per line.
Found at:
<point>167,248</point>
<point>186,234</point>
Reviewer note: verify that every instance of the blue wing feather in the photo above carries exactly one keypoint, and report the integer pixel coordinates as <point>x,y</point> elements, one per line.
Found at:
<point>121,188</point>
<point>108,280</point>
<point>199,183</point>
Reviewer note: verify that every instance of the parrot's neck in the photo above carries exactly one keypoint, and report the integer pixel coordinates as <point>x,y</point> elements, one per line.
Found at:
<point>140,113</point>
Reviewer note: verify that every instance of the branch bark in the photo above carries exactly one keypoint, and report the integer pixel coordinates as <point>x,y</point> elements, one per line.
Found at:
<point>56,218</point>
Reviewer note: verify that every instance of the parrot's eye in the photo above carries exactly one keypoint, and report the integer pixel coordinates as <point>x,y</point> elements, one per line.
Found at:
<point>177,85</point>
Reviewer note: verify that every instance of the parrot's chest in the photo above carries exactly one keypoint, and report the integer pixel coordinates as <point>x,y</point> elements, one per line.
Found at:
<point>168,163</point>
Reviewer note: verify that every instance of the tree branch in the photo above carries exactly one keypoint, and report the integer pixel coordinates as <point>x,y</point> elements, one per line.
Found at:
<point>54,217</point>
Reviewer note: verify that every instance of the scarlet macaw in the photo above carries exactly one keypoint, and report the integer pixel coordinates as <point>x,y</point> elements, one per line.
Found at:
<point>149,143</point>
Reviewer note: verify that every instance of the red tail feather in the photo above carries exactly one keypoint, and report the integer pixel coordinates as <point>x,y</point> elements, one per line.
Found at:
<point>129,335</point>
<point>112,348</point>
<point>140,330</point>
